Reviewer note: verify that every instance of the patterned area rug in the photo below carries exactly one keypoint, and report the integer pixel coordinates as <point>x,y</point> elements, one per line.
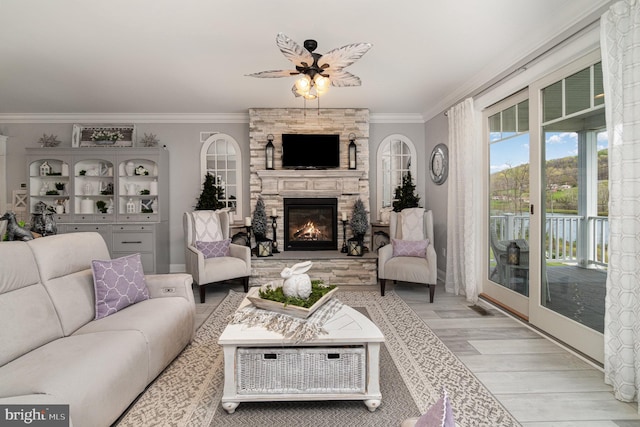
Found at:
<point>415,367</point>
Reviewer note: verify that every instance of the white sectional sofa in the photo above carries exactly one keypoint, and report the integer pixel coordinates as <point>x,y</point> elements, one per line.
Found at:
<point>52,351</point>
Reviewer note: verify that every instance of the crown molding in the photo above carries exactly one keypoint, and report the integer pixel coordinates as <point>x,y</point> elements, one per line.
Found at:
<point>396,118</point>
<point>125,118</point>
<point>176,118</point>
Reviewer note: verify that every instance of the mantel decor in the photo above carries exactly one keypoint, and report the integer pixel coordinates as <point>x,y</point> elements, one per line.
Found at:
<point>116,135</point>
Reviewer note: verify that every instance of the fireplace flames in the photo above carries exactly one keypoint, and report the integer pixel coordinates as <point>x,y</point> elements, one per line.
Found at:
<point>309,231</point>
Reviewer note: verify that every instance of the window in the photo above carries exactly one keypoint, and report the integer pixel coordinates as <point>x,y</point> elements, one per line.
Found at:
<point>395,158</point>
<point>221,157</point>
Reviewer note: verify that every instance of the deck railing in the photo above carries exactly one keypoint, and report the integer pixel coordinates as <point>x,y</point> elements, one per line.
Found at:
<point>562,236</point>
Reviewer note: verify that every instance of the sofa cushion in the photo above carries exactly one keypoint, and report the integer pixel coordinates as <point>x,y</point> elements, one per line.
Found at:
<point>99,375</point>
<point>407,269</point>
<point>27,315</point>
<point>118,283</point>
<point>64,262</point>
<point>214,249</point>
<point>166,324</point>
<point>415,248</point>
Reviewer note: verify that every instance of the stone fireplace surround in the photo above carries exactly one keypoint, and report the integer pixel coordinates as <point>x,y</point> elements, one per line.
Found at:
<point>274,185</point>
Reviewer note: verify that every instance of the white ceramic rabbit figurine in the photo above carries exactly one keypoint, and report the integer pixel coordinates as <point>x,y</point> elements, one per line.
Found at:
<point>296,283</point>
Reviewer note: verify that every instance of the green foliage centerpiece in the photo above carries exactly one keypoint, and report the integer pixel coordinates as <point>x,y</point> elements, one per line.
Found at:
<point>298,296</point>
<point>318,290</point>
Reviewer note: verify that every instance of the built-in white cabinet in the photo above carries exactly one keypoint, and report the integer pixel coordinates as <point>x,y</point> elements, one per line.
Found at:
<point>122,193</point>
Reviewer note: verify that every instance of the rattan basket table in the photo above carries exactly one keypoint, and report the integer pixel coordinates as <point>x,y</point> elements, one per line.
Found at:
<point>261,365</point>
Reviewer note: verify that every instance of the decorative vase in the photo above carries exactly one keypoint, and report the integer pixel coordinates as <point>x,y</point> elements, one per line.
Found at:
<point>153,187</point>
<point>87,189</point>
<point>129,168</point>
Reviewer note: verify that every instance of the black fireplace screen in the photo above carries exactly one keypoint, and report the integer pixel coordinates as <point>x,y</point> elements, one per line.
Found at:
<point>310,224</point>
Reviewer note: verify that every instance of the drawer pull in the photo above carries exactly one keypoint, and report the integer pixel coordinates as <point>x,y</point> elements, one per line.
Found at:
<point>138,242</point>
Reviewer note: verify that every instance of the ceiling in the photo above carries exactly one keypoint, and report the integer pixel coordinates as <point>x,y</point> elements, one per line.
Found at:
<point>190,57</point>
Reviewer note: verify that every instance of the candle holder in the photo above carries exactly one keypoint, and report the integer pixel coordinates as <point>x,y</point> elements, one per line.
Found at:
<point>248,227</point>
<point>275,240</point>
<point>344,237</point>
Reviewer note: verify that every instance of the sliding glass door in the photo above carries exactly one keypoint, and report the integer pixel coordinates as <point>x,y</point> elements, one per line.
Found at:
<point>573,227</point>
<point>507,264</point>
<point>547,205</point>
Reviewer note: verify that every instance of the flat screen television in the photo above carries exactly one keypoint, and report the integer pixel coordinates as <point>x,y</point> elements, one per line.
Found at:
<point>310,151</point>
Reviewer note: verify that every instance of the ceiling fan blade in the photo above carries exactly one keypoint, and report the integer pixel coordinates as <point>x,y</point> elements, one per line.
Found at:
<point>344,56</point>
<point>274,73</point>
<point>295,53</point>
<point>341,78</point>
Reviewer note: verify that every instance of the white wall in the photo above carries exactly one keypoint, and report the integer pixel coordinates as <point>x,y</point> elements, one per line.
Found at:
<point>436,132</point>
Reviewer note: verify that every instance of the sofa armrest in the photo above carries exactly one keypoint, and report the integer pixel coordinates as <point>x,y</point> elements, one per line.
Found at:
<point>170,285</point>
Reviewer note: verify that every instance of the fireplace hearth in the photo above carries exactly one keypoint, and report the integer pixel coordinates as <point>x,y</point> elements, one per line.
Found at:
<point>310,224</point>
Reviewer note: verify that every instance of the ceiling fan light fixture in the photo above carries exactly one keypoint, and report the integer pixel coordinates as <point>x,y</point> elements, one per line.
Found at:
<point>303,83</point>
<point>322,83</point>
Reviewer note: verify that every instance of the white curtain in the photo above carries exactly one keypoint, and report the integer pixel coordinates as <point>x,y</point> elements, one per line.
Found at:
<point>462,233</point>
<point>620,42</point>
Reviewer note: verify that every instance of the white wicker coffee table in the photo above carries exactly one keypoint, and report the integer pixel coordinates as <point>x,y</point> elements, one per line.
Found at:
<point>261,365</point>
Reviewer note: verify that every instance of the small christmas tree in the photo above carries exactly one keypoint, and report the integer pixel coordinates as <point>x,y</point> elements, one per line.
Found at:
<point>404,195</point>
<point>211,194</point>
<point>359,222</point>
<point>259,222</point>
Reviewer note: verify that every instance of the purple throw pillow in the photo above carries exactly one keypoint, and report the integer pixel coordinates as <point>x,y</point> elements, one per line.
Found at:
<point>214,249</point>
<point>416,248</point>
<point>439,414</point>
<point>118,283</point>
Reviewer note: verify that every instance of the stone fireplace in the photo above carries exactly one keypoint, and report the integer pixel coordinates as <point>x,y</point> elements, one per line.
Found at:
<point>341,184</point>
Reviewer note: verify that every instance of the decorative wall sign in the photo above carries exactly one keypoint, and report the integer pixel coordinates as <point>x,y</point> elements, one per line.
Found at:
<point>116,135</point>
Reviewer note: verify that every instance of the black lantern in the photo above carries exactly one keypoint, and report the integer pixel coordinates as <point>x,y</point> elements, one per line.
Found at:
<point>513,254</point>
<point>352,151</point>
<point>268,152</point>
<point>265,248</point>
<point>355,247</point>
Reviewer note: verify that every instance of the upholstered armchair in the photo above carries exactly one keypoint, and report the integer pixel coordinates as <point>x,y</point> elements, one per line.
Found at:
<point>402,260</point>
<point>210,256</point>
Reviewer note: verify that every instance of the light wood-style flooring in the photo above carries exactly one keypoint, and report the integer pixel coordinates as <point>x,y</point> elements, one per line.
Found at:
<point>538,381</point>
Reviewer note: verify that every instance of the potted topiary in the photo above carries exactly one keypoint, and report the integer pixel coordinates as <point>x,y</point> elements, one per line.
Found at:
<point>359,226</point>
<point>211,194</point>
<point>404,196</point>
<point>259,224</point>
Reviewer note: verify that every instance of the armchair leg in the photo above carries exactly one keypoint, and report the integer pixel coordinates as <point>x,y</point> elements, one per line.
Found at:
<point>432,292</point>
<point>202,294</point>
<point>383,282</point>
<point>245,282</point>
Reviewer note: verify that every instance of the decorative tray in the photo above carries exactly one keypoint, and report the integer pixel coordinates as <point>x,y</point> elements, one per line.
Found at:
<point>292,310</point>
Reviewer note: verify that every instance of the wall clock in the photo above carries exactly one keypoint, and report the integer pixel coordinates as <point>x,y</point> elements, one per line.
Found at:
<point>439,164</point>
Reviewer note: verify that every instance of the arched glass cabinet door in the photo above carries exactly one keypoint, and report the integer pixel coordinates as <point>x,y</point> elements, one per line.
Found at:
<point>221,157</point>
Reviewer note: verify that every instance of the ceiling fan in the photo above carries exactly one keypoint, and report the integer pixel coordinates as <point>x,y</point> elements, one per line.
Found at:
<point>317,71</point>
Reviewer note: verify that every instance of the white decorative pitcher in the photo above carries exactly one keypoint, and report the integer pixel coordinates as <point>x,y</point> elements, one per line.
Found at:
<point>132,189</point>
